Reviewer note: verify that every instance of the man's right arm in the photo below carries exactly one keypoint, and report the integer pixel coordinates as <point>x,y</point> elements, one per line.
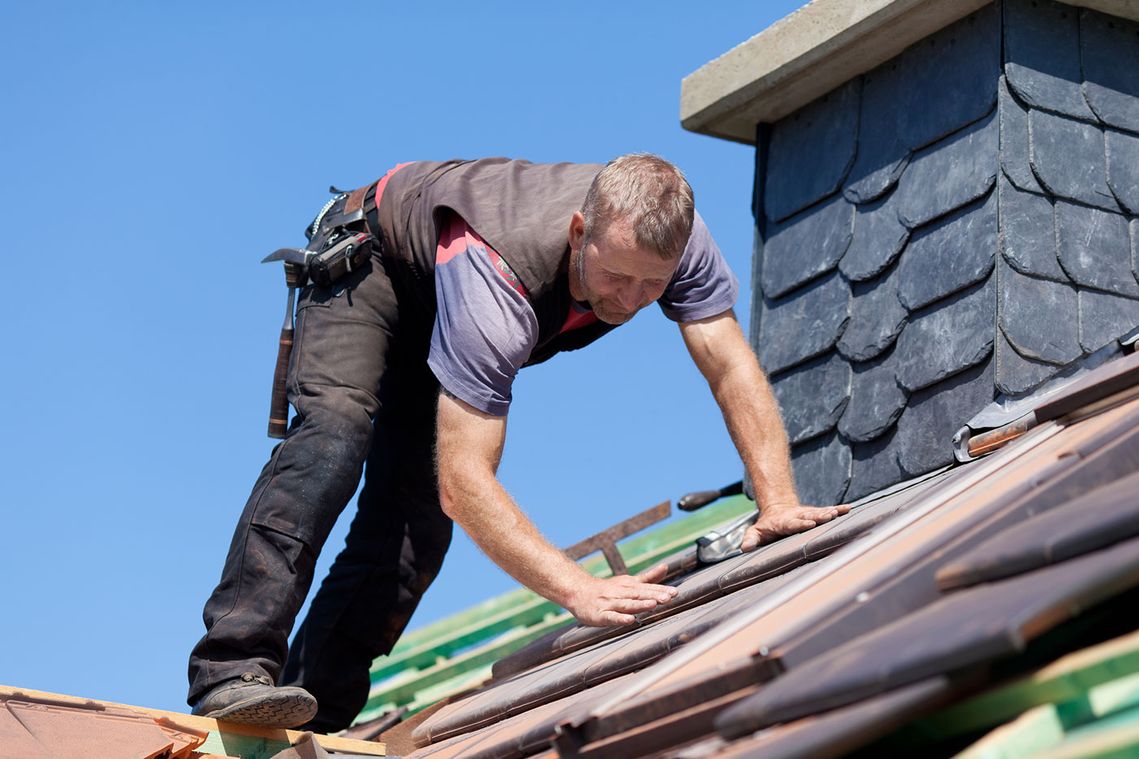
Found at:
<point>468,449</point>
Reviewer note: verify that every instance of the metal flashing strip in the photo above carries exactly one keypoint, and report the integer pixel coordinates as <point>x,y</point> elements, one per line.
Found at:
<point>1075,397</point>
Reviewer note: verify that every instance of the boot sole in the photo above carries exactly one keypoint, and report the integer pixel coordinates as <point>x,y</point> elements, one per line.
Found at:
<point>275,710</point>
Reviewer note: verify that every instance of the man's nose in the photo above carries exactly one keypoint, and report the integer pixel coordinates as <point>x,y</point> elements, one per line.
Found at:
<point>630,297</point>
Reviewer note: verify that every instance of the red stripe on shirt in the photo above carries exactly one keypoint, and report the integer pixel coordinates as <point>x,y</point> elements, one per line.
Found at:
<point>380,185</point>
<point>578,318</point>
<point>456,236</point>
<point>453,240</point>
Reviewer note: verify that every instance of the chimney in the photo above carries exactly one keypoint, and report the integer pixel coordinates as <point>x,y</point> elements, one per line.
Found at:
<point>945,202</point>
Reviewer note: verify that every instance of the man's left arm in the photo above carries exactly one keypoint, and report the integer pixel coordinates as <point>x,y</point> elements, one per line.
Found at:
<point>718,347</point>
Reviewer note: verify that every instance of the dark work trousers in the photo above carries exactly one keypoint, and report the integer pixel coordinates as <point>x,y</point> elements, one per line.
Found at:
<point>362,391</point>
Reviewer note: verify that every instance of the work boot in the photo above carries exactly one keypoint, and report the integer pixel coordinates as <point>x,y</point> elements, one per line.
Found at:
<point>254,700</point>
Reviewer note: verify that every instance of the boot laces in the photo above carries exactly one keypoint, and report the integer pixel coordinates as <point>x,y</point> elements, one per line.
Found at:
<point>250,677</point>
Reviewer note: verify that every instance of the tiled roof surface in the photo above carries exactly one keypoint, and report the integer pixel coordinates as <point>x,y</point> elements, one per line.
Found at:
<point>903,610</point>
<point>456,653</point>
<point>39,725</point>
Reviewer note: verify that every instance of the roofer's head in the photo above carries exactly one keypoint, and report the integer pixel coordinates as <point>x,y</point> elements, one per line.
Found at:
<point>627,240</point>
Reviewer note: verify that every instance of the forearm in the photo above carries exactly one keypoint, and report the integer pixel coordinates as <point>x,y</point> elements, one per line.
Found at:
<point>468,449</point>
<point>752,416</point>
<point>487,513</point>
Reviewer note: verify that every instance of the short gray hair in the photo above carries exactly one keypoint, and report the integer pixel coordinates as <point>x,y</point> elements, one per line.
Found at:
<point>651,194</point>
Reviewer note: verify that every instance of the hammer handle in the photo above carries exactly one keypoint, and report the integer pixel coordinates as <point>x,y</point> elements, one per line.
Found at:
<point>702,498</point>
<point>693,501</point>
<point>279,406</point>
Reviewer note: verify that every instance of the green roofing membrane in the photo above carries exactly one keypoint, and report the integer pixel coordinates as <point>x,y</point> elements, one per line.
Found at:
<point>1088,707</point>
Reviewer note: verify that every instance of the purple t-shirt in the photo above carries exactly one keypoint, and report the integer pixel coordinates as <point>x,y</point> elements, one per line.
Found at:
<point>485,327</point>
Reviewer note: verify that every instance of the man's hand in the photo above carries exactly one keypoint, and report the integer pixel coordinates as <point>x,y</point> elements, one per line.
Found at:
<point>603,602</point>
<point>778,520</point>
<point>468,447</point>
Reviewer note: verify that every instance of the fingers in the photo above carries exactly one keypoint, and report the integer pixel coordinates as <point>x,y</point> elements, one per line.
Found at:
<point>630,605</point>
<point>653,574</point>
<point>774,525</point>
<point>613,618</point>
<point>614,600</point>
<point>656,593</point>
<point>624,586</point>
<point>751,539</point>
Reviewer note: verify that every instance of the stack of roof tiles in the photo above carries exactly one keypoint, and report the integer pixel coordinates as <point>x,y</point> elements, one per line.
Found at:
<point>954,225</point>
<point>832,640</point>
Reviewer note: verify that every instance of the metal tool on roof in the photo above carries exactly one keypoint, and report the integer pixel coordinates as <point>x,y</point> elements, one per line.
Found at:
<point>338,254</point>
<point>724,543</point>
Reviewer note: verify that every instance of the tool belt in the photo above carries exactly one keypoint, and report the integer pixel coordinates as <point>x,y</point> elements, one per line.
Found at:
<point>339,240</point>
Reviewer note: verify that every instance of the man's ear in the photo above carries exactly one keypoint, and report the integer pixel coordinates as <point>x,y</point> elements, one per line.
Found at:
<point>576,233</point>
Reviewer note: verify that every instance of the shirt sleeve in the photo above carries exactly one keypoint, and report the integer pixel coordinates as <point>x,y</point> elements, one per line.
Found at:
<point>484,328</point>
<point>703,285</point>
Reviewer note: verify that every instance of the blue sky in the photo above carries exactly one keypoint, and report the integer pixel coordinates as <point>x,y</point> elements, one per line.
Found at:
<point>153,153</point>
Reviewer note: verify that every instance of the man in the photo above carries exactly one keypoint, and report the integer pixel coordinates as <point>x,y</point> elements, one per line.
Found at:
<point>407,362</point>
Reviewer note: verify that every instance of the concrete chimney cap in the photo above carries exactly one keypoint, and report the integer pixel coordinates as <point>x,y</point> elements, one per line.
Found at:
<point>814,50</point>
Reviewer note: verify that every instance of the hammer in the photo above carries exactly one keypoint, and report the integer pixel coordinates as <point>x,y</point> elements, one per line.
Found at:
<point>294,277</point>
<point>702,498</point>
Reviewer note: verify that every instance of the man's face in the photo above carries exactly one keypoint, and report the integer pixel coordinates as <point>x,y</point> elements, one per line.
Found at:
<point>613,275</point>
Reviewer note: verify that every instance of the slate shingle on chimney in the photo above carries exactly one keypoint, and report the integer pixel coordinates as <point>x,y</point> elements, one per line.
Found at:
<point>955,224</point>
